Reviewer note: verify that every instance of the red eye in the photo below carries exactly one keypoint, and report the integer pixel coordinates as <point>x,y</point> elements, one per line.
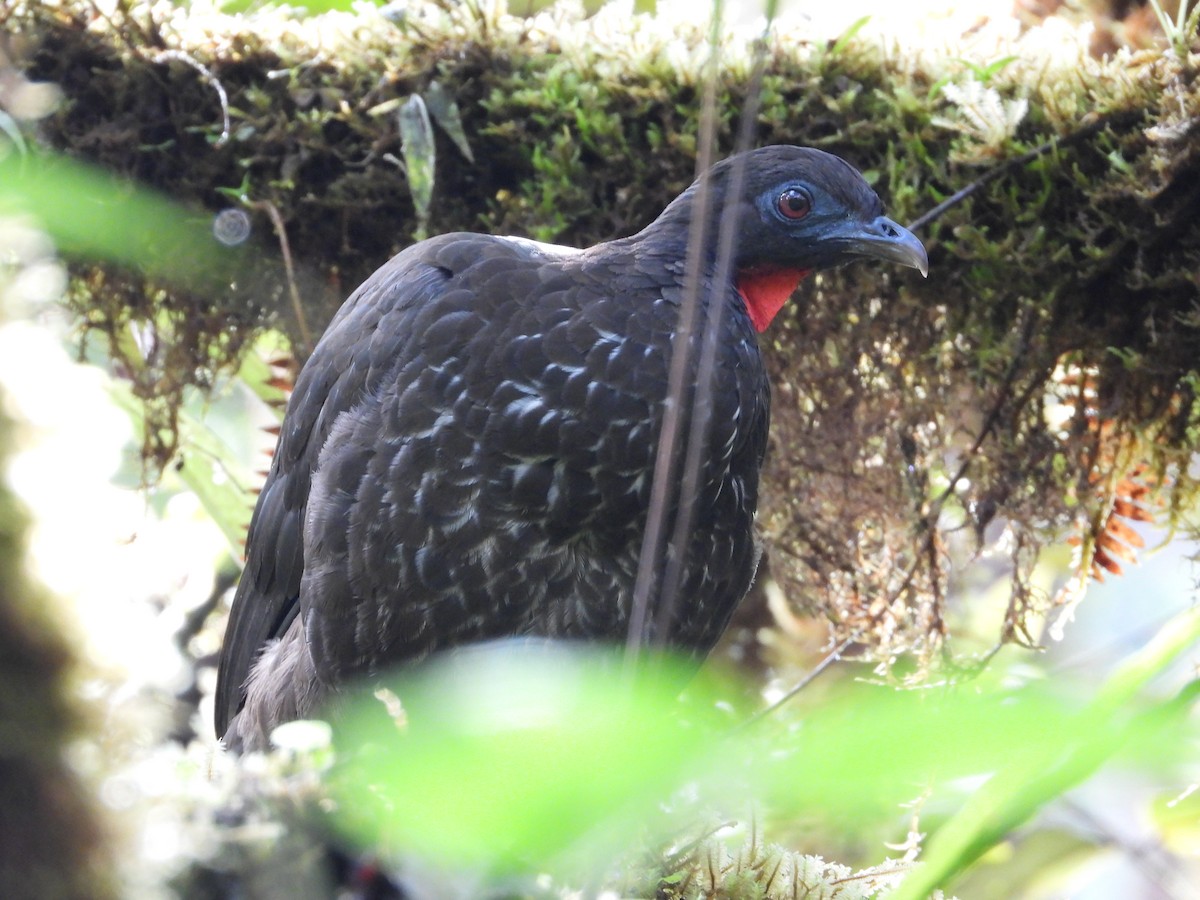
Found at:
<point>794,204</point>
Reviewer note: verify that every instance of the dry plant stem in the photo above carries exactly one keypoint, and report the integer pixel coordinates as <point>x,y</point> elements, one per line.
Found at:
<point>666,459</point>
<point>285,251</point>
<point>701,418</point>
<point>859,876</point>
<point>834,655</point>
<point>666,456</point>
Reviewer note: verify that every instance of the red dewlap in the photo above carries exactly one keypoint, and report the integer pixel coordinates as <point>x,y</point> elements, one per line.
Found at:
<point>766,290</point>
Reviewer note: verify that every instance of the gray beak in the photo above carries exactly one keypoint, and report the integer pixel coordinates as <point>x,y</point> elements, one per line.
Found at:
<point>884,239</point>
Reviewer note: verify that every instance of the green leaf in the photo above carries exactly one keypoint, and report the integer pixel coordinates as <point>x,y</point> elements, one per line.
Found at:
<point>1083,744</point>
<point>91,214</point>
<point>848,35</point>
<point>311,7</point>
<point>420,157</point>
<point>444,109</point>
<point>205,463</point>
<point>520,757</point>
<point>512,754</point>
<point>984,72</point>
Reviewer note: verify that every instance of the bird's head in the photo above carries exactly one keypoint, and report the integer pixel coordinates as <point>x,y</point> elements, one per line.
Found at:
<point>798,210</point>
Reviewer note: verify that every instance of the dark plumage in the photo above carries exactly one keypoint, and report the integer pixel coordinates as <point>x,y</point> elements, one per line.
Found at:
<point>468,453</point>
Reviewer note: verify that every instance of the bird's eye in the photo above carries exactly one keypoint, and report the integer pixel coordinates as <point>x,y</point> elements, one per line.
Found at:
<point>794,204</point>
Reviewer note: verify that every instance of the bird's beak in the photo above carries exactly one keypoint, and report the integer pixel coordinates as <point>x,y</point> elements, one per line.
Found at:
<point>884,239</point>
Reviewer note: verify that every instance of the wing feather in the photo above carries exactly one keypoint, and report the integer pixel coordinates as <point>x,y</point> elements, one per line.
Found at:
<point>334,380</point>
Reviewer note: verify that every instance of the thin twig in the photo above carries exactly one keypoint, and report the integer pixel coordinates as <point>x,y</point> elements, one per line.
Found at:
<point>652,558</point>
<point>286,251</point>
<point>697,445</point>
<point>991,175</point>
<point>834,655</point>
<point>666,457</point>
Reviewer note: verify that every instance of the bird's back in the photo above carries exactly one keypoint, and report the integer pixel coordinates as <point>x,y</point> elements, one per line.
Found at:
<point>468,455</point>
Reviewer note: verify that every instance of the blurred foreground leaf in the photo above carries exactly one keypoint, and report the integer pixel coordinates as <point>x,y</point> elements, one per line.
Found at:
<point>1117,719</point>
<point>516,760</point>
<point>310,7</point>
<point>512,752</point>
<point>93,215</point>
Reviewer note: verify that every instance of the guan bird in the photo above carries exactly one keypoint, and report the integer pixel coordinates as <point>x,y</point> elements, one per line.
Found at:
<point>469,452</point>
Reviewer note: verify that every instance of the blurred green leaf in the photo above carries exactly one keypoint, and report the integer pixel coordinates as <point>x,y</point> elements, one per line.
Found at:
<point>91,214</point>
<point>1178,820</point>
<point>420,158</point>
<point>874,748</point>
<point>511,759</point>
<point>1029,868</point>
<point>1113,721</point>
<point>312,7</point>
<point>525,9</point>
<point>513,753</point>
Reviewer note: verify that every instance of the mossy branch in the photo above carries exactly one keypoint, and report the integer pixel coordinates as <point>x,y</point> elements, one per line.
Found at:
<point>1058,198</point>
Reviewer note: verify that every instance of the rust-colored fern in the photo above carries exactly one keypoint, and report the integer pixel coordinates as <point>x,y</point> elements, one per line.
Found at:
<point>1121,487</point>
<point>280,382</point>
